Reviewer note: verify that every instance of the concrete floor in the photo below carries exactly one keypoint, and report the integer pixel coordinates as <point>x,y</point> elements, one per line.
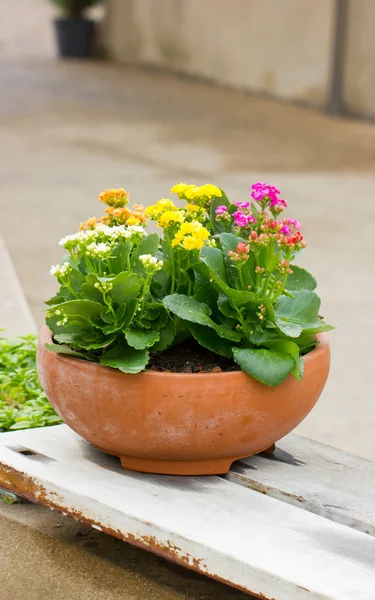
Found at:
<point>69,130</point>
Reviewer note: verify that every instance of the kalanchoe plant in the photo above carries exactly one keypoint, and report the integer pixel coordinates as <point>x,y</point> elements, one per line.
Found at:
<point>222,273</point>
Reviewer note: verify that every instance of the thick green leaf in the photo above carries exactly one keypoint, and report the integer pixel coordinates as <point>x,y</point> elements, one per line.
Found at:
<point>262,337</point>
<point>126,286</point>
<point>301,313</point>
<point>214,259</point>
<point>205,292</point>
<point>89,290</point>
<point>292,349</point>
<point>83,309</point>
<point>141,338</point>
<point>154,316</point>
<point>119,257</point>
<point>226,308</point>
<point>188,309</point>
<point>268,366</point>
<point>167,336</point>
<point>90,339</point>
<point>208,338</point>
<point>126,359</point>
<point>218,226</point>
<point>229,241</point>
<point>300,279</point>
<point>148,245</point>
<point>65,350</point>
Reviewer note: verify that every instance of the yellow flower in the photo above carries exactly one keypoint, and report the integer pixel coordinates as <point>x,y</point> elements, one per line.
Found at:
<point>179,189</point>
<point>191,236</point>
<point>155,210</point>
<point>193,208</point>
<point>198,195</point>
<point>170,217</point>
<point>192,243</point>
<point>133,220</point>
<point>209,191</point>
<point>116,198</point>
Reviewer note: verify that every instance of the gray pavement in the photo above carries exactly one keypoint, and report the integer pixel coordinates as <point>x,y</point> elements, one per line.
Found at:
<point>69,130</point>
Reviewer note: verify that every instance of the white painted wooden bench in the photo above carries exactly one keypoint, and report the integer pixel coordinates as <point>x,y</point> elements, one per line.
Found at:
<point>298,525</point>
<point>295,525</point>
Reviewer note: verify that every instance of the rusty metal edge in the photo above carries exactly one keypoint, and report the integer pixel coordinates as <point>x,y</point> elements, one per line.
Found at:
<point>25,486</point>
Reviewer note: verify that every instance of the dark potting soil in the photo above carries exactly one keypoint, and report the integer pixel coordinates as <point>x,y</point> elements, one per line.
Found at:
<point>190,357</point>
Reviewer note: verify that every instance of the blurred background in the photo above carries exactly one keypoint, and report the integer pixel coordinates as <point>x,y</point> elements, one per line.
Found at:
<point>222,91</point>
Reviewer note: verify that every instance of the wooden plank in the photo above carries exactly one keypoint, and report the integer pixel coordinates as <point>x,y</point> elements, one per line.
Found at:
<point>15,315</point>
<point>253,542</point>
<point>318,478</point>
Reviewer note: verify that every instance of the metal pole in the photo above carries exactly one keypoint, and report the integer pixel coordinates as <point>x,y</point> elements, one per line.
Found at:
<point>335,105</point>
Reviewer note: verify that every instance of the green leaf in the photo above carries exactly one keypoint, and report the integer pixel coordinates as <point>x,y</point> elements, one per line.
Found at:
<point>126,359</point>
<point>301,313</point>
<point>83,309</point>
<point>214,259</point>
<point>148,245</point>
<point>90,339</point>
<point>119,257</point>
<point>204,292</point>
<point>229,241</point>
<point>262,337</point>
<point>268,366</point>
<point>141,338</point>
<point>188,309</point>
<point>208,338</point>
<point>300,279</point>
<point>218,226</point>
<point>126,286</point>
<point>167,336</point>
<point>89,290</point>
<point>65,350</point>
<point>292,349</point>
<point>161,279</point>
<point>226,308</point>
<point>154,316</point>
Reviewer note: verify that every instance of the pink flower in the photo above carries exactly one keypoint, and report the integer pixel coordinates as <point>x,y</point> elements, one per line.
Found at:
<point>294,223</point>
<point>285,230</point>
<point>221,209</point>
<point>279,202</point>
<point>260,191</point>
<point>242,220</point>
<point>242,204</point>
<point>242,248</point>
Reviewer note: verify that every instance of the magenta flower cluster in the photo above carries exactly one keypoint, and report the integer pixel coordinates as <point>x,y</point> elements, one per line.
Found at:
<point>262,192</point>
<point>242,219</point>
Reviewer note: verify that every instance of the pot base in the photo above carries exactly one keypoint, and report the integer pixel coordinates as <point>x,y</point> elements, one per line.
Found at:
<point>219,466</point>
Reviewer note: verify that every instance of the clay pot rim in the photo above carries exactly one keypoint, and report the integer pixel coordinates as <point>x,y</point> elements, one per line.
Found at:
<point>46,337</point>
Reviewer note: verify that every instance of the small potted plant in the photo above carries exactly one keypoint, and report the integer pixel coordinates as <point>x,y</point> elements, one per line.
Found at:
<point>75,33</point>
<point>182,353</point>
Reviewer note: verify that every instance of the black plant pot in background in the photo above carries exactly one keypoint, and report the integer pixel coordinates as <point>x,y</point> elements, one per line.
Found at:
<point>75,37</point>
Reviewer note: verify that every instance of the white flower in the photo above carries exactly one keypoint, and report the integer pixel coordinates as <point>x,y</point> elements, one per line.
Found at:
<point>103,286</point>
<point>100,250</point>
<point>61,270</point>
<point>151,263</point>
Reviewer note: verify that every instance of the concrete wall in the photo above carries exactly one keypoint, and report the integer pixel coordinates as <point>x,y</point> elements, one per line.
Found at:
<point>359,70</point>
<point>278,47</point>
<point>283,48</point>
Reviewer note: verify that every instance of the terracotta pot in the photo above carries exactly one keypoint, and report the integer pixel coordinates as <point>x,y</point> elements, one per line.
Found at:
<point>178,423</point>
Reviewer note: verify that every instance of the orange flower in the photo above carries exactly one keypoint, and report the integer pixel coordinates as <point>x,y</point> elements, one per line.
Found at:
<point>116,198</point>
<point>117,216</point>
<point>90,224</point>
